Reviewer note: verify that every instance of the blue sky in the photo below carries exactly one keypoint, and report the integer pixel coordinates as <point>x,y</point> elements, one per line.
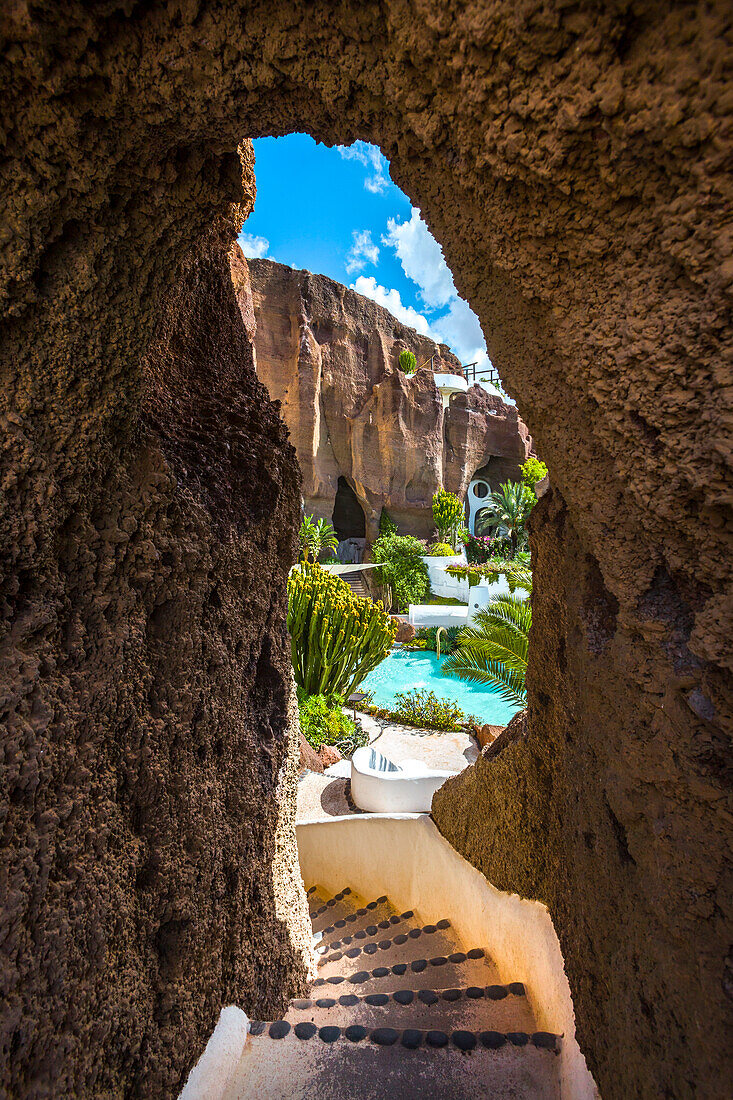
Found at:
<point>336,212</point>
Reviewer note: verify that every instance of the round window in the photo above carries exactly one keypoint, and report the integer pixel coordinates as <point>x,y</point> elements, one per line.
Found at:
<point>480,490</point>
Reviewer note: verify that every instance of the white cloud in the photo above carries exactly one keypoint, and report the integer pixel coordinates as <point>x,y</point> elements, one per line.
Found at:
<point>390,299</point>
<point>363,251</point>
<point>254,247</point>
<point>421,258</point>
<point>371,157</point>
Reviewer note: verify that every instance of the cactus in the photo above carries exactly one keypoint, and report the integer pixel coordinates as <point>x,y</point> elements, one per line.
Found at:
<point>447,513</point>
<point>408,362</point>
<point>337,638</point>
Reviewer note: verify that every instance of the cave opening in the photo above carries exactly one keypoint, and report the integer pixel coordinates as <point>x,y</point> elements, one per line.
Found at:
<point>551,157</point>
<point>348,516</point>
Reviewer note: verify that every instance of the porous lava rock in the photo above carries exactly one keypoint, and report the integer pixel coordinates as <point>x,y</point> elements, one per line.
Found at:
<point>330,356</point>
<point>149,748</point>
<point>571,159</point>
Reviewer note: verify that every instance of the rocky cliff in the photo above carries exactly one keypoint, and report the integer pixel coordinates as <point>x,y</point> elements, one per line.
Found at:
<point>330,356</point>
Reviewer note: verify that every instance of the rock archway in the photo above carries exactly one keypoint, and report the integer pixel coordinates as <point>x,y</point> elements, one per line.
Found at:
<point>569,159</point>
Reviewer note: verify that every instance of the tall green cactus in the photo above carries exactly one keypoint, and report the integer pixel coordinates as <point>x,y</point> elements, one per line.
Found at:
<point>337,638</point>
<point>447,513</point>
<point>408,362</point>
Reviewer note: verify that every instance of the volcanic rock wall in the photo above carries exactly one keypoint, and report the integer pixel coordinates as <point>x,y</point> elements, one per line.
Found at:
<point>148,873</point>
<point>571,158</point>
<point>330,356</point>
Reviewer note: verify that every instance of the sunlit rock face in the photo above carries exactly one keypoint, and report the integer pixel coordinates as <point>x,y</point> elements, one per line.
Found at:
<point>330,356</point>
<point>570,160</point>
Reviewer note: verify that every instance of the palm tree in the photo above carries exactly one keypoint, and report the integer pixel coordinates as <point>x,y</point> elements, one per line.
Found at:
<point>494,650</point>
<point>508,507</point>
<point>315,537</point>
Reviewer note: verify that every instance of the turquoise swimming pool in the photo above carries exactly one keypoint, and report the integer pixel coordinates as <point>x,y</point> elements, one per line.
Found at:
<point>404,669</point>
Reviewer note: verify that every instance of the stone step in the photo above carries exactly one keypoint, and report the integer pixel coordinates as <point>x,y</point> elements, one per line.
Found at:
<point>351,935</point>
<point>475,1008</point>
<point>409,943</point>
<point>352,915</point>
<point>410,1065</point>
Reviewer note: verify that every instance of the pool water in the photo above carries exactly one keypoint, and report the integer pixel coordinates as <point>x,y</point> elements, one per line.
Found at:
<point>404,669</point>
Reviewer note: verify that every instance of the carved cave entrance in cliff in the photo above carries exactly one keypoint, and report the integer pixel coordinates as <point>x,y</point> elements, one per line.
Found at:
<point>349,522</point>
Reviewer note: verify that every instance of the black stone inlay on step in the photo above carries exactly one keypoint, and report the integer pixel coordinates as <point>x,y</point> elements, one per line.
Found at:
<point>545,1041</point>
<point>336,979</point>
<point>451,994</point>
<point>516,988</point>
<point>349,1000</point>
<point>518,1038</point>
<point>376,999</point>
<point>380,972</point>
<point>418,965</point>
<point>411,1038</point>
<point>325,1002</point>
<point>385,1036</point>
<point>361,976</point>
<point>404,996</point>
<point>428,997</point>
<point>279,1029</point>
<point>257,1027</point>
<point>415,933</point>
<point>443,924</point>
<point>439,960</point>
<point>492,1040</point>
<point>305,1030</point>
<point>399,969</point>
<point>464,1040</point>
<point>355,1033</point>
<point>496,992</point>
<point>474,992</point>
<point>329,1034</point>
<point>475,953</point>
<point>301,1004</point>
<point>457,957</point>
<point>436,1039</point>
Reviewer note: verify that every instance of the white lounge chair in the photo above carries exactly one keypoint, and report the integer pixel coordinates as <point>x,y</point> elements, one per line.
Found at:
<point>382,787</point>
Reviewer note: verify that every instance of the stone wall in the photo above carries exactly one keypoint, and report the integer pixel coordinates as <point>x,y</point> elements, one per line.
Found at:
<point>149,873</point>
<point>570,159</point>
<point>330,356</point>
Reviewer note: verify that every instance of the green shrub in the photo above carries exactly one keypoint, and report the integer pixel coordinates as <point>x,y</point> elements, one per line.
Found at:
<point>336,638</point>
<point>448,637</point>
<point>408,362</point>
<point>323,722</point>
<point>440,550</point>
<point>533,471</point>
<point>447,513</point>
<point>402,568</point>
<point>420,707</point>
<point>387,525</point>
<point>314,537</point>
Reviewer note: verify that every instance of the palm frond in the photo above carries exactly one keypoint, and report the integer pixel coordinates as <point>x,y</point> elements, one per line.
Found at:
<point>493,650</point>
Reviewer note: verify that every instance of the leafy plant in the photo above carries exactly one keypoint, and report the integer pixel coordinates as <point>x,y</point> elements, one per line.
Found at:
<point>447,513</point>
<point>508,509</point>
<point>387,525</point>
<point>420,707</point>
<point>315,537</point>
<point>533,471</point>
<point>408,362</point>
<point>517,573</point>
<point>402,567</point>
<point>479,548</point>
<point>448,638</point>
<point>494,650</point>
<point>323,722</point>
<point>440,550</point>
<point>337,638</point>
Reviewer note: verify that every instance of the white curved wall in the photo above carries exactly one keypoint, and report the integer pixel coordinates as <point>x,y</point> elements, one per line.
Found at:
<point>405,857</point>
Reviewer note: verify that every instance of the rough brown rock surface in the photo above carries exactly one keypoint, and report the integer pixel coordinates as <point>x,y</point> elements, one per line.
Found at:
<point>330,355</point>
<point>149,874</point>
<point>571,160</point>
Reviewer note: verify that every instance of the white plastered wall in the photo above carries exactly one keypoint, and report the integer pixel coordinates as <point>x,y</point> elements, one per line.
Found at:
<point>405,857</point>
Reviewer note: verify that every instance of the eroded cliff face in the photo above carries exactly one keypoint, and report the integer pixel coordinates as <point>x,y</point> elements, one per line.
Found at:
<point>149,872</point>
<point>571,160</point>
<point>330,357</point>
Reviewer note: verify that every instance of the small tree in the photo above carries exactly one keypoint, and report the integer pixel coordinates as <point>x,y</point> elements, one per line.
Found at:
<point>533,471</point>
<point>408,362</point>
<point>508,510</point>
<point>402,568</point>
<point>316,536</point>
<point>448,514</point>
